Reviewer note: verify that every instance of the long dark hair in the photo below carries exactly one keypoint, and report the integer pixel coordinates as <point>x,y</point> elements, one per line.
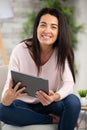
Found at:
<point>64,49</point>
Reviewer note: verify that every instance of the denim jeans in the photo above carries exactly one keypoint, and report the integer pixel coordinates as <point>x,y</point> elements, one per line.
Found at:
<point>20,113</point>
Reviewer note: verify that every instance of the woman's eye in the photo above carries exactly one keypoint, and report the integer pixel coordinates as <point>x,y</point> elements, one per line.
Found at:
<point>54,27</point>
<point>42,25</point>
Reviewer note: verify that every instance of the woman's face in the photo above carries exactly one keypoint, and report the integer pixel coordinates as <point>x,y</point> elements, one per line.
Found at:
<point>47,30</point>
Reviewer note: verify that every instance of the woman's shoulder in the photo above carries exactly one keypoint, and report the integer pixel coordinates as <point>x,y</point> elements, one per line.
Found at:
<point>22,47</point>
<point>28,42</point>
<point>19,49</point>
<point>23,44</point>
<point>19,46</point>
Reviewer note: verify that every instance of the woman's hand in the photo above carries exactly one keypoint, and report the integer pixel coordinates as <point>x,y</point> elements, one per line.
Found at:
<point>47,99</point>
<point>11,94</point>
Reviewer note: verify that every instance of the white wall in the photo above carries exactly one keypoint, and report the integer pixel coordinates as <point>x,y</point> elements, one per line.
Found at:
<point>81,53</point>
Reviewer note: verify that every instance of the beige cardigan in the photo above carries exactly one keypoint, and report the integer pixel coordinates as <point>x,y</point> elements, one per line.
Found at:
<point>22,61</point>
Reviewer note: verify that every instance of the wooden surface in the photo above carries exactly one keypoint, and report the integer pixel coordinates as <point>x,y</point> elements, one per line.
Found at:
<point>84,108</point>
<point>2,51</point>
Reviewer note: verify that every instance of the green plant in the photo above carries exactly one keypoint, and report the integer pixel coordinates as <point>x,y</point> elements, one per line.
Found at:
<point>82,93</point>
<point>28,25</point>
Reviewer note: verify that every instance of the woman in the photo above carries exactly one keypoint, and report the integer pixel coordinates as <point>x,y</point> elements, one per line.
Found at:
<point>47,55</point>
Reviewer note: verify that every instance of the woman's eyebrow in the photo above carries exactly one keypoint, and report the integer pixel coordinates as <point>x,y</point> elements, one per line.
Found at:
<point>54,24</point>
<point>43,22</point>
<point>51,24</point>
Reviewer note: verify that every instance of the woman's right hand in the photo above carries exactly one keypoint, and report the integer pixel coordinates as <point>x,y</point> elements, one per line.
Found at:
<point>11,94</point>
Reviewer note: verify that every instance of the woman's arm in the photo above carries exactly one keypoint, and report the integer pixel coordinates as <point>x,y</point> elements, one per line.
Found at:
<point>67,82</point>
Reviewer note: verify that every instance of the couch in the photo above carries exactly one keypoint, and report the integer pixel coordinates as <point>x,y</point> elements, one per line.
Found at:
<point>3,75</point>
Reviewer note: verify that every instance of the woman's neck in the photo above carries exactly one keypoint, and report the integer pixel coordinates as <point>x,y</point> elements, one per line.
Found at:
<point>45,55</point>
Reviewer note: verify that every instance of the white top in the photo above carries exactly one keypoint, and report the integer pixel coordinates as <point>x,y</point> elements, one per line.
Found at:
<point>22,61</point>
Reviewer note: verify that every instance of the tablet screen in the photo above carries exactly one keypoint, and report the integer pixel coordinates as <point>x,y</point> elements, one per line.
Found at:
<point>31,83</point>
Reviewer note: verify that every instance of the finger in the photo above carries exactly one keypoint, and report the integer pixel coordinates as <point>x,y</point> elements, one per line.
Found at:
<point>23,94</point>
<point>39,95</point>
<point>21,90</point>
<point>43,101</point>
<point>17,86</point>
<point>44,95</point>
<point>10,83</point>
<point>51,92</point>
<point>42,98</point>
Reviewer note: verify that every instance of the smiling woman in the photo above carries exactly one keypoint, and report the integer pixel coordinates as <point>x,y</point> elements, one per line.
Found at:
<point>47,31</point>
<point>48,54</point>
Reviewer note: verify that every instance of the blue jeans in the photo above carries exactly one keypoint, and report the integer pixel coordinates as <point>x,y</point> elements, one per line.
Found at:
<point>20,113</point>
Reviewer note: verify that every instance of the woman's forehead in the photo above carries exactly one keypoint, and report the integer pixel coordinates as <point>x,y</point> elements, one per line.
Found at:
<point>49,19</point>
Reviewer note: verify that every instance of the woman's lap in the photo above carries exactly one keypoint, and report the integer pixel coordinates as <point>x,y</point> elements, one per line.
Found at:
<point>21,113</point>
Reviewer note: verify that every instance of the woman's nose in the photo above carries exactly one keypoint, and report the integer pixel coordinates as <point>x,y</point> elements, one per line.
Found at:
<point>48,29</point>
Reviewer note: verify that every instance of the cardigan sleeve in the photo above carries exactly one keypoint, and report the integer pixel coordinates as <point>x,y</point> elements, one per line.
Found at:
<point>13,65</point>
<point>67,82</point>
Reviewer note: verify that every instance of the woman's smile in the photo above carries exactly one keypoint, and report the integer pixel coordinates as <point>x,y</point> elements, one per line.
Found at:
<point>46,37</point>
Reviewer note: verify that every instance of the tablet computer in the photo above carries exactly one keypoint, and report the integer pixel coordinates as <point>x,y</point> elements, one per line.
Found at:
<point>31,83</point>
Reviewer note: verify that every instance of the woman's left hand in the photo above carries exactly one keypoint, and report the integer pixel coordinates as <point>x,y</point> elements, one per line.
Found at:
<point>44,98</point>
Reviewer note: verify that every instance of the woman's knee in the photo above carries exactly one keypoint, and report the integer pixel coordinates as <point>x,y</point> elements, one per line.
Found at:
<point>73,101</point>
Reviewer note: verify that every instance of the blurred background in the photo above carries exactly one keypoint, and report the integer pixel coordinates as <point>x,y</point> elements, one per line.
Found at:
<point>16,20</point>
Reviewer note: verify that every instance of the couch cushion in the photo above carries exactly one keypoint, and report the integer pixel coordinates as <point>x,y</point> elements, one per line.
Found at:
<point>31,127</point>
<point>3,76</point>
